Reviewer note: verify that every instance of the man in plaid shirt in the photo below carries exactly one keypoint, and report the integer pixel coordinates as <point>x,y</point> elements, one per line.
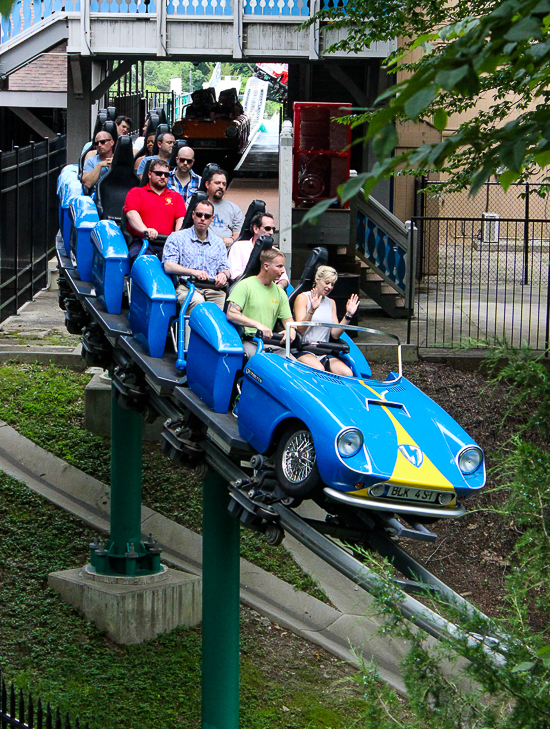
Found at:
<point>183,179</point>
<point>197,252</point>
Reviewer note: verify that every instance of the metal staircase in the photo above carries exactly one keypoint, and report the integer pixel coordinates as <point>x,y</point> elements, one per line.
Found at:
<point>387,249</point>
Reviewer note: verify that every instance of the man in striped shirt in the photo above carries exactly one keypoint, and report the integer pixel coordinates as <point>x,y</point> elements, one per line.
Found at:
<point>183,179</point>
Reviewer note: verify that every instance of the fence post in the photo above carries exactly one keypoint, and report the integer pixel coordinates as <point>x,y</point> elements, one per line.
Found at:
<point>547,333</point>
<point>526,238</point>
<point>32,212</point>
<point>220,608</point>
<point>1,230</point>
<point>411,269</point>
<point>285,193</point>
<point>16,255</point>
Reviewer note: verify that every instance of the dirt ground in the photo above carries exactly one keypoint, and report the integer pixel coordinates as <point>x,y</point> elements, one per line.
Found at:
<point>471,554</point>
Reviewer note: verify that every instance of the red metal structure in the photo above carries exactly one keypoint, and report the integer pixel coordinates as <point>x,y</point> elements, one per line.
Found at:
<point>321,150</point>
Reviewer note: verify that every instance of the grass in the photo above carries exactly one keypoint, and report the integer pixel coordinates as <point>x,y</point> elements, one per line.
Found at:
<point>47,648</point>
<point>46,405</point>
<point>52,337</point>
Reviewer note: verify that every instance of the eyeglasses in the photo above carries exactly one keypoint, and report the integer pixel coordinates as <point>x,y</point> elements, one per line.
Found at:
<point>102,141</point>
<point>160,174</point>
<point>187,161</point>
<point>206,216</point>
<point>268,228</point>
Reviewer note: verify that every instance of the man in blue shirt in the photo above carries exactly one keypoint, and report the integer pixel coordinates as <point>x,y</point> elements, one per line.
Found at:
<point>165,143</point>
<point>97,166</point>
<point>197,252</point>
<point>183,179</point>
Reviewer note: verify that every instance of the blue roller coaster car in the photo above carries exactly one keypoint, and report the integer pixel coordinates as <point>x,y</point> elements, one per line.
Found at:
<point>372,444</point>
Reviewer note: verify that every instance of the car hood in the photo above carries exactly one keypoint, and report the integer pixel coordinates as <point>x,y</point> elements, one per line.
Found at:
<point>409,439</point>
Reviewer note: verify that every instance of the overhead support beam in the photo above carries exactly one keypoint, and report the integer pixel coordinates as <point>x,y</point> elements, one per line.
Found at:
<point>33,122</point>
<point>120,71</point>
<point>78,87</point>
<point>34,99</point>
<point>338,74</point>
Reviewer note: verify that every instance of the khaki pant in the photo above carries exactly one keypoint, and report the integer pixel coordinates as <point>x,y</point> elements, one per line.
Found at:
<point>200,296</point>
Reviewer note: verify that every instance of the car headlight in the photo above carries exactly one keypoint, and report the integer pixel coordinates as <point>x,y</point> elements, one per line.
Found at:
<point>349,442</point>
<point>470,460</point>
<point>446,498</point>
<point>231,132</point>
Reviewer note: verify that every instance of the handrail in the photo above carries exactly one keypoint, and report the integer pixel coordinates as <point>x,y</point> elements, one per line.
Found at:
<point>385,244</point>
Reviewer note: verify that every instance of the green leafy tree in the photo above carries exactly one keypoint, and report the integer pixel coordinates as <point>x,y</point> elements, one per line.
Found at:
<point>470,49</point>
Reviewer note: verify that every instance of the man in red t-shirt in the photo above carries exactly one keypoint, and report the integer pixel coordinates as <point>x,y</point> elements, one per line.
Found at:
<point>153,210</point>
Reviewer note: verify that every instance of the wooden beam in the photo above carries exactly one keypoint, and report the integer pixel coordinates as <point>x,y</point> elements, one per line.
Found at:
<point>34,123</point>
<point>102,88</point>
<point>338,74</point>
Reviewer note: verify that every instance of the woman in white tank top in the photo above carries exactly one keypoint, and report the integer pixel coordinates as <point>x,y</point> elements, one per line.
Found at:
<point>315,305</point>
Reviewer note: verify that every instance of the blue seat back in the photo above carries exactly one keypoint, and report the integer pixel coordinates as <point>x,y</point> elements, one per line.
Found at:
<point>153,304</point>
<point>84,217</point>
<point>109,264</point>
<point>215,356</point>
<point>68,192</point>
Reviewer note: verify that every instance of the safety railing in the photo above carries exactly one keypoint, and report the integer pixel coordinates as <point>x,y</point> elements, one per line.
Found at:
<point>28,13</point>
<point>383,242</point>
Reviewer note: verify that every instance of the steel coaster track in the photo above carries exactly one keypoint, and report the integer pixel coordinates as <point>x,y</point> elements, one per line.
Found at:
<point>275,517</point>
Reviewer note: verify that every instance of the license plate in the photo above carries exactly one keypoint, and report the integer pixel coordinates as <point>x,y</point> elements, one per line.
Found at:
<point>411,494</point>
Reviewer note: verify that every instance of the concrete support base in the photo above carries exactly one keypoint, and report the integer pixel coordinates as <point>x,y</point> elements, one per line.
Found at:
<point>97,410</point>
<point>132,609</point>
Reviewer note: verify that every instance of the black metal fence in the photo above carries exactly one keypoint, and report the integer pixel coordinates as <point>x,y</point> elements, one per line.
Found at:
<point>132,105</point>
<point>482,278</point>
<point>28,219</point>
<point>14,713</point>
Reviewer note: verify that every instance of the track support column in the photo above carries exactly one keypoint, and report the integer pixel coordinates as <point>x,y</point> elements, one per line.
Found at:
<point>125,555</point>
<point>220,608</point>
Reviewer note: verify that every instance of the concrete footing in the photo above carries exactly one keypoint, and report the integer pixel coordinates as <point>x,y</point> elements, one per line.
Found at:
<point>132,609</point>
<point>97,410</point>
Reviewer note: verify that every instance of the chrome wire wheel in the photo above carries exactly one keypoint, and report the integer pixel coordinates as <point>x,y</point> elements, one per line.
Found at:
<point>299,457</point>
<point>296,463</point>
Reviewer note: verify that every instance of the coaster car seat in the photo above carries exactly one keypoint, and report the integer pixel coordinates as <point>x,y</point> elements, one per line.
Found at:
<point>317,257</point>
<point>196,197</point>
<point>256,206</point>
<point>120,178</point>
<point>207,169</point>
<point>145,174</point>
<point>178,144</point>
<point>161,129</point>
<point>152,124</point>
<point>161,113</point>
<point>102,117</point>
<point>110,126</point>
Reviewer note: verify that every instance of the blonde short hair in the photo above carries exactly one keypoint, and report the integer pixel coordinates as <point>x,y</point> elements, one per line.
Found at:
<point>324,272</point>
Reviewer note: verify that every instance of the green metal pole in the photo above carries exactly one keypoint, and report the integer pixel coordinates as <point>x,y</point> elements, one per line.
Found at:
<point>125,477</point>
<point>220,608</point>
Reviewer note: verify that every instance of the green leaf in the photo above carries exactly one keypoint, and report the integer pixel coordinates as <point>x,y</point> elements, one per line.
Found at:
<point>350,188</point>
<point>507,178</point>
<point>384,142</point>
<point>544,649</point>
<point>526,29</point>
<point>543,158</point>
<point>312,215</point>
<point>420,101</point>
<point>5,7</point>
<point>440,119</point>
<point>450,79</point>
<point>525,666</point>
<point>480,178</point>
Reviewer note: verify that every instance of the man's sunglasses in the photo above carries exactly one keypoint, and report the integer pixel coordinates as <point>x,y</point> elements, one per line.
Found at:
<point>206,216</point>
<point>160,174</point>
<point>269,228</point>
<point>187,161</point>
<point>102,141</point>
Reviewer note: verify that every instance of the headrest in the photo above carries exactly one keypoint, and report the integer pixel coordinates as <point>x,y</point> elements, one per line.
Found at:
<point>145,174</point>
<point>123,155</point>
<point>102,117</point>
<point>161,113</point>
<point>196,197</point>
<point>177,146</point>
<point>263,243</point>
<point>111,111</point>
<point>110,126</point>
<point>161,129</point>
<point>207,169</point>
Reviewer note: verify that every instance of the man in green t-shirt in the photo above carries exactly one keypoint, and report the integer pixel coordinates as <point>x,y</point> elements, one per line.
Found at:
<point>257,302</point>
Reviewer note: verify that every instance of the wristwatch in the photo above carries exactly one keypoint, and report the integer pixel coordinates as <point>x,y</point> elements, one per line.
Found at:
<point>348,316</point>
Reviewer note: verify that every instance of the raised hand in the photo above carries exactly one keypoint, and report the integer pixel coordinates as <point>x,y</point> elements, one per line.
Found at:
<point>315,302</point>
<point>352,304</point>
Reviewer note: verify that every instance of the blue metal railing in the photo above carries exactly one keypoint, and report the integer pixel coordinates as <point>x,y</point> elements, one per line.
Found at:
<point>384,243</point>
<point>27,13</point>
